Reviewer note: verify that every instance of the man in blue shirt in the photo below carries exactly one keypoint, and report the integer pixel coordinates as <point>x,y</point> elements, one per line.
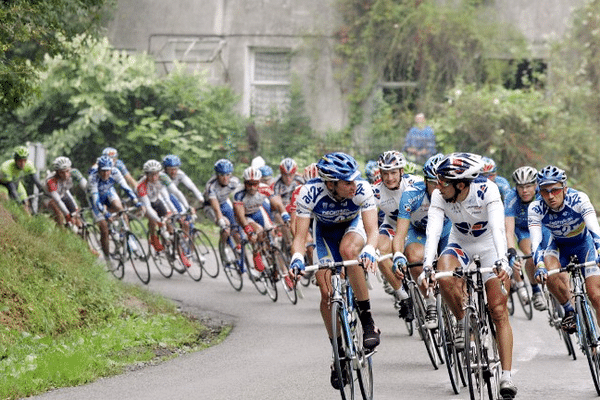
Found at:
<point>419,143</point>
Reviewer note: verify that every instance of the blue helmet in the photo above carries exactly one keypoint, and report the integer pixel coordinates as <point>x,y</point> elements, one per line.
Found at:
<point>338,166</point>
<point>459,167</point>
<point>223,166</point>
<point>104,163</point>
<point>429,168</point>
<point>551,174</point>
<point>171,160</point>
<point>265,170</point>
<point>372,170</point>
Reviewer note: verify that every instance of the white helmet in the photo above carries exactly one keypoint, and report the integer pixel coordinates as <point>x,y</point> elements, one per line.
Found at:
<point>252,174</point>
<point>152,166</point>
<point>61,163</point>
<point>525,175</point>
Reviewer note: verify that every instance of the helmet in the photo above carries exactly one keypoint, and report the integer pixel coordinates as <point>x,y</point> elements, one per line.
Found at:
<point>61,163</point>
<point>391,160</point>
<point>372,170</point>
<point>338,166</point>
<point>288,166</point>
<point>460,167</point>
<point>223,166</point>
<point>430,165</point>
<point>265,171</point>
<point>524,175</point>
<point>310,172</point>
<point>104,163</point>
<point>111,152</point>
<point>489,166</point>
<point>21,152</point>
<point>252,174</point>
<point>171,161</point>
<point>551,174</point>
<point>152,166</point>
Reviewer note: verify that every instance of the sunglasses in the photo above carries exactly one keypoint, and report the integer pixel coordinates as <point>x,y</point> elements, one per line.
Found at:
<point>554,191</point>
<point>251,183</point>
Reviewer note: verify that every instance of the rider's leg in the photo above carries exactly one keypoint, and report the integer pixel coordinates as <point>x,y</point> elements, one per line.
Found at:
<point>558,284</point>
<point>451,287</point>
<point>592,286</point>
<point>499,312</point>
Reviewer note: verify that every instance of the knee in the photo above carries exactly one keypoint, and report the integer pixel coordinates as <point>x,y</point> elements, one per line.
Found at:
<point>499,313</point>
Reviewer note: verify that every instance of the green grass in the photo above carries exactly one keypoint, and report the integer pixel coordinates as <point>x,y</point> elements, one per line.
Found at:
<point>64,321</point>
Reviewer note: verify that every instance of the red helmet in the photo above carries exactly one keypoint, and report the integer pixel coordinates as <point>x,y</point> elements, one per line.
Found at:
<point>288,166</point>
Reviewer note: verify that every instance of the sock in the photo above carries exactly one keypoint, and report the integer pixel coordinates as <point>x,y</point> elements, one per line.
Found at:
<point>505,375</point>
<point>364,312</point>
<point>568,307</point>
<point>535,288</point>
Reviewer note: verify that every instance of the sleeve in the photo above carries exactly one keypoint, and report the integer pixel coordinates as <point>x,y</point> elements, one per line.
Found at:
<point>534,222</point>
<point>123,183</point>
<point>187,182</point>
<point>495,209</point>
<point>150,212</point>
<point>54,195</point>
<point>435,224</point>
<point>589,216</point>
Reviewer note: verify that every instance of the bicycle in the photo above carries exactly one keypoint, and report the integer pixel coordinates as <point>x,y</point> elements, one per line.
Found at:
<point>352,362</point>
<point>556,313</point>
<point>278,262</point>
<point>480,358</point>
<point>208,255</point>
<point>526,304</point>
<point>231,258</point>
<point>126,247</point>
<point>587,331</point>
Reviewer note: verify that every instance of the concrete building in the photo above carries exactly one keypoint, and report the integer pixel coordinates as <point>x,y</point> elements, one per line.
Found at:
<point>259,46</point>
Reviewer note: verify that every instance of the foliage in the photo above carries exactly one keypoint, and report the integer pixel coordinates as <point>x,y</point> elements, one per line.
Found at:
<point>64,321</point>
<point>100,97</point>
<point>27,32</point>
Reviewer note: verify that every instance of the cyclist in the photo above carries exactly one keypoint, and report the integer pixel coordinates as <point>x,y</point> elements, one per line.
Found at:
<point>409,243</point>
<point>490,170</point>
<point>160,198</point>
<point>12,173</point>
<point>345,221</point>
<point>476,211</point>
<point>253,211</point>
<point>571,220</point>
<point>172,164</point>
<point>310,172</point>
<point>104,199</point>
<point>267,175</point>
<point>218,189</point>
<point>516,204</point>
<point>58,185</point>
<point>114,155</point>
<point>387,197</point>
<point>287,181</point>
<point>372,172</point>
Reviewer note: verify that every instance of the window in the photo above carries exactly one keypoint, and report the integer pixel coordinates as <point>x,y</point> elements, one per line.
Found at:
<point>269,81</point>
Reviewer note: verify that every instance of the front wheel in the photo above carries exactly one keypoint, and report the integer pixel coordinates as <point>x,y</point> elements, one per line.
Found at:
<point>230,263</point>
<point>588,340</point>
<point>364,363</point>
<point>446,327</point>
<point>424,332</point>
<point>526,303</point>
<point>138,258</point>
<point>206,251</point>
<point>473,357</point>
<point>287,284</point>
<point>188,255</point>
<point>342,363</point>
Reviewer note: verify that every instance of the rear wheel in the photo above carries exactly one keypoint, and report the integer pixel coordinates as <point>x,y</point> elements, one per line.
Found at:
<point>210,261</point>
<point>189,256</point>
<point>160,259</point>
<point>270,276</point>
<point>426,334</point>
<point>526,303</point>
<point>256,277</point>
<point>230,264</point>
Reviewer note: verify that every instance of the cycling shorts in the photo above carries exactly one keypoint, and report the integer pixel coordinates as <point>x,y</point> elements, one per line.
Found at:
<point>585,251</point>
<point>464,253</point>
<point>387,230</point>
<point>160,208</point>
<point>329,237</point>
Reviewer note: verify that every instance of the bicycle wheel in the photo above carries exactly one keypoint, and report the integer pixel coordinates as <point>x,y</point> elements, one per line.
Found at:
<point>526,303</point>
<point>364,363</point>
<point>270,275</point>
<point>137,226</point>
<point>426,334</point>
<point>510,304</point>
<point>556,314</point>
<point>160,258</point>
<point>210,261</point>
<point>91,235</point>
<point>116,255</point>
<point>491,357</point>
<point>189,256</point>
<point>341,362</point>
<point>257,278</point>
<point>473,357</point>
<point>280,266</point>
<point>137,258</point>
<point>231,266</point>
<point>588,339</point>
<point>446,325</point>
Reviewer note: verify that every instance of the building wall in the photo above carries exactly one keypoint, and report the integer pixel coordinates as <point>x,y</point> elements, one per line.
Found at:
<point>219,36</point>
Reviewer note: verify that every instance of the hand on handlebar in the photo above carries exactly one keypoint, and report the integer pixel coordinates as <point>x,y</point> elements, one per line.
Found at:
<point>368,258</point>
<point>541,273</point>
<point>297,265</point>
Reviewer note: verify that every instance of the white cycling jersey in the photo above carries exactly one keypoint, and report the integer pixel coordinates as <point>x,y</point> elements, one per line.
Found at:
<point>214,190</point>
<point>181,177</point>
<point>151,192</point>
<point>388,199</point>
<point>478,219</point>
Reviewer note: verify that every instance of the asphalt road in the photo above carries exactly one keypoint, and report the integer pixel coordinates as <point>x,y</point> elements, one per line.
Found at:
<point>280,351</point>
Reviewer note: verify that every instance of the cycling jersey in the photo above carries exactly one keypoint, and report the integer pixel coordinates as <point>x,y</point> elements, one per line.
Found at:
<point>257,207</point>
<point>181,177</point>
<point>387,200</point>
<point>285,191</point>
<point>151,192</point>
<point>120,165</point>
<point>60,189</point>
<point>214,190</point>
<point>574,227</point>
<point>477,225</point>
<point>11,178</point>
<point>102,192</point>
<point>503,186</point>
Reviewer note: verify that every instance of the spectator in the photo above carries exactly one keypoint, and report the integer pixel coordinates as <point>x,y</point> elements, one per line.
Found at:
<point>419,143</point>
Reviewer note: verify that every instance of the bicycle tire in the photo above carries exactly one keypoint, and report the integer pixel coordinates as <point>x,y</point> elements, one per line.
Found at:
<point>230,264</point>
<point>256,277</point>
<point>186,250</point>
<point>270,275</point>
<point>91,235</point>
<point>137,257</point>
<point>207,251</point>
<point>137,226</point>
<point>587,340</point>
<point>280,267</point>
<point>491,357</point>
<point>160,259</point>
<point>364,363</point>
<point>473,357</point>
<point>426,334</point>
<point>510,303</point>
<point>119,270</point>
<point>527,304</point>
<point>410,327</point>
<point>446,327</point>
<point>556,316</point>
<point>343,363</point>
<point>116,256</point>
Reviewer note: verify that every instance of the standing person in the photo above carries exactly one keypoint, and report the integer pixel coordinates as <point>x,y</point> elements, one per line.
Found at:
<point>571,220</point>
<point>476,211</point>
<point>344,228</point>
<point>419,143</point>
<point>516,209</point>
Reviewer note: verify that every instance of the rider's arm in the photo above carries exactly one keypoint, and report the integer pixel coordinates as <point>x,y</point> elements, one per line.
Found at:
<point>371,226</point>
<point>54,195</point>
<point>123,183</point>
<point>534,222</point>
<point>495,209</point>
<point>435,225</point>
<point>509,224</point>
<point>299,243</point>
<point>188,183</point>
<point>240,213</point>
<point>179,196</point>
<point>12,190</point>
<point>402,226</point>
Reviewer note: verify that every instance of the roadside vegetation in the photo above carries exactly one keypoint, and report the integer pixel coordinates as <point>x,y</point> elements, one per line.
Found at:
<point>64,321</point>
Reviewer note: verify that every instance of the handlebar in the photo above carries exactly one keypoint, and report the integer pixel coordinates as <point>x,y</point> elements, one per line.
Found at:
<point>338,264</point>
